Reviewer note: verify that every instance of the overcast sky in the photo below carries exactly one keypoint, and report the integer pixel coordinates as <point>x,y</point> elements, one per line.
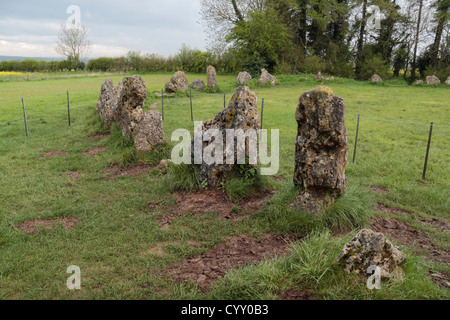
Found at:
<point>30,28</point>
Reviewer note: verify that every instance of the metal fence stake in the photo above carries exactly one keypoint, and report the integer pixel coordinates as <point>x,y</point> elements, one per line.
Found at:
<point>428,152</point>
<point>356,140</point>
<point>25,117</point>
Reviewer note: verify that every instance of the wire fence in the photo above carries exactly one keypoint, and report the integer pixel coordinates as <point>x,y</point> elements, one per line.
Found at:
<point>189,99</point>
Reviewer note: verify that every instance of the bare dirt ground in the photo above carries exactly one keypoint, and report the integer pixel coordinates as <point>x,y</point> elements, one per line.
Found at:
<point>115,172</point>
<point>379,190</point>
<point>33,226</point>
<point>94,151</point>
<point>72,175</point>
<point>412,238</point>
<point>395,211</point>
<point>98,136</point>
<point>235,253</point>
<point>213,200</point>
<point>54,153</point>
<point>298,295</point>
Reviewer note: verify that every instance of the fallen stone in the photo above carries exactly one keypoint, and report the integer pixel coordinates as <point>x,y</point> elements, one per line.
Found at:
<point>419,82</point>
<point>433,80</point>
<point>376,78</point>
<point>321,149</point>
<point>367,249</point>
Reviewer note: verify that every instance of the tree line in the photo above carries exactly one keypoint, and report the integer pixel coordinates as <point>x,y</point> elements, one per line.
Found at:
<point>347,38</point>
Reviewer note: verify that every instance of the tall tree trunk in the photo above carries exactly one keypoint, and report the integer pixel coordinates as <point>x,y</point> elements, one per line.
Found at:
<point>237,11</point>
<point>360,46</point>
<point>416,44</point>
<point>442,8</point>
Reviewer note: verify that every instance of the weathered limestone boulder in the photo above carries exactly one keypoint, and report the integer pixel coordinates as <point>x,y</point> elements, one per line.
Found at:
<point>267,77</point>
<point>447,82</point>
<point>107,102</point>
<point>149,132</point>
<point>211,77</point>
<point>321,149</point>
<point>376,78</point>
<point>132,94</point>
<point>178,82</point>
<point>419,82</point>
<point>241,113</point>
<point>198,85</point>
<point>244,78</point>
<point>319,76</point>
<point>433,80</point>
<point>367,249</point>
<point>330,79</point>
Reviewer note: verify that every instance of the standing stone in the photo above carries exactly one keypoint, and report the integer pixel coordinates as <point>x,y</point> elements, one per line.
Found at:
<point>241,113</point>
<point>131,100</point>
<point>198,85</point>
<point>211,77</point>
<point>149,132</point>
<point>376,78</point>
<point>433,80</point>
<point>447,82</point>
<point>244,78</point>
<point>266,77</point>
<point>321,149</point>
<point>178,82</point>
<point>107,102</point>
<point>368,249</point>
<point>319,76</point>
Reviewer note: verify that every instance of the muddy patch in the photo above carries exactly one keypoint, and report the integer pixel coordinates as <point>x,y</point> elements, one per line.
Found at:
<point>379,190</point>
<point>115,172</point>
<point>55,153</point>
<point>297,295</point>
<point>235,253</point>
<point>72,175</point>
<point>94,151</point>
<point>439,224</point>
<point>214,200</point>
<point>395,211</point>
<point>416,240</point>
<point>33,226</point>
<point>442,279</point>
<point>98,136</point>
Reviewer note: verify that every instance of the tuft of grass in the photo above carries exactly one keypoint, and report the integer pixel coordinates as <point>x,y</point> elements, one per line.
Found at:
<point>182,177</point>
<point>244,181</point>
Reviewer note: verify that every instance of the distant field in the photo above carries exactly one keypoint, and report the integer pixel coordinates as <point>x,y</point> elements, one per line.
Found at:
<point>118,240</point>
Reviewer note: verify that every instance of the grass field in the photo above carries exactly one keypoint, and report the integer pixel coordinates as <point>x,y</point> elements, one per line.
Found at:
<point>118,228</point>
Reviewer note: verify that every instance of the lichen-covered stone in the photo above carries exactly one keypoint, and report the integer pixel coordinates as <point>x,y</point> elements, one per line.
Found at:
<point>211,77</point>
<point>321,149</point>
<point>132,94</point>
<point>368,249</point>
<point>149,132</point>
<point>267,77</point>
<point>241,113</point>
<point>178,82</point>
<point>198,85</point>
<point>376,78</point>
<point>447,82</point>
<point>244,78</point>
<point>107,102</point>
<point>433,80</point>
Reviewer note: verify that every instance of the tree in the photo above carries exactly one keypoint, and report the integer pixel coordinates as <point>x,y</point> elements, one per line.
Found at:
<point>442,17</point>
<point>73,43</point>
<point>416,43</point>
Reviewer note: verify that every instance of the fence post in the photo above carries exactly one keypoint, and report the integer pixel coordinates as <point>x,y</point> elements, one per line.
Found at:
<point>428,152</point>
<point>190,97</point>
<point>68,107</point>
<point>25,117</point>
<point>162,103</point>
<point>356,141</point>
<point>224,100</point>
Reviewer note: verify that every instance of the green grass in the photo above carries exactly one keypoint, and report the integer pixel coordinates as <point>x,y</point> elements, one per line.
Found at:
<point>117,225</point>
